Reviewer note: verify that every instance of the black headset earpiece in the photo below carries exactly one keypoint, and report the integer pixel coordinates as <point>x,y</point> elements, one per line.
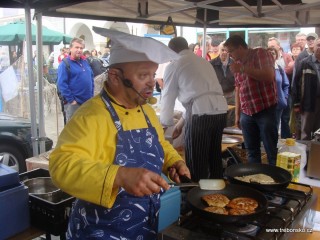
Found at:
<point>127,83</point>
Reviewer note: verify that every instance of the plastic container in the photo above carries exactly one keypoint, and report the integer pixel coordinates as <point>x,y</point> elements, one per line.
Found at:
<point>48,214</point>
<point>289,158</point>
<point>170,207</point>
<point>9,177</point>
<point>14,211</point>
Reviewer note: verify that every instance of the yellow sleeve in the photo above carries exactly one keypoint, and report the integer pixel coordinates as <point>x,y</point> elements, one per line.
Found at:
<point>82,162</point>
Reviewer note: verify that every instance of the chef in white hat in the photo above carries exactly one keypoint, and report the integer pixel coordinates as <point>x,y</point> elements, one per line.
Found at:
<point>111,153</point>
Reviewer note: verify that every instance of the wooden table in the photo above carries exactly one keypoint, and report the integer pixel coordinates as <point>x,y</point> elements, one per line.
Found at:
<point>28,234</point>
<point>224,146</point>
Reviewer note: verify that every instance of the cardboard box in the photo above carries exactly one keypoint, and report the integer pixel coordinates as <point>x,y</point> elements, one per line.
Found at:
<point>41,161</point>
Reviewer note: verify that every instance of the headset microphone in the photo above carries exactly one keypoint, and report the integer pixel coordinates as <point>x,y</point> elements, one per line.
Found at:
<point>127,83</point>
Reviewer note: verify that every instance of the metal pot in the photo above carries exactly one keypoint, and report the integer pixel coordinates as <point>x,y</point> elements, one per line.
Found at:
<point>42,187</point>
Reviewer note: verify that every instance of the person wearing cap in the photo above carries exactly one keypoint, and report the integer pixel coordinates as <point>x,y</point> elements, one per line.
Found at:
<point>306,93</point>
<point>296,76</point>
<point>111,153</point>
<point>194,82</point>
<point>306,52</point>
<point>75,78</point>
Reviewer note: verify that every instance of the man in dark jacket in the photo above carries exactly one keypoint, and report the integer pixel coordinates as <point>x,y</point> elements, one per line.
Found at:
<point>221,65</point>
<point>306,92</point>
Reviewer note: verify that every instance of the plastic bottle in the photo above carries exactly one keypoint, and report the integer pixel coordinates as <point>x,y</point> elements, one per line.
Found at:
<point>289,158</point>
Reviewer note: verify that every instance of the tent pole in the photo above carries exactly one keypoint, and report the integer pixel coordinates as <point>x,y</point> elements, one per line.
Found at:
<point>31,80</point>
<point>40,83</point>
<point>204,45</point>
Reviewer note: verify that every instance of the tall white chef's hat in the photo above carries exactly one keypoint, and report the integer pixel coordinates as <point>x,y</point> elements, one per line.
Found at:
<point>130,48</point>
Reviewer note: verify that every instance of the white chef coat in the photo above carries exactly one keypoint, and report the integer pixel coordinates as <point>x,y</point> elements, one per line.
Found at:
<point>191,77</point>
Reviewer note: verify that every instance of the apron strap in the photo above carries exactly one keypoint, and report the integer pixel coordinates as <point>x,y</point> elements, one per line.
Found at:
<point>105,98</point>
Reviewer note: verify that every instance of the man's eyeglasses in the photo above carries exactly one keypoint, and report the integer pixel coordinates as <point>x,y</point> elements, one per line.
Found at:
<point>231,50</point>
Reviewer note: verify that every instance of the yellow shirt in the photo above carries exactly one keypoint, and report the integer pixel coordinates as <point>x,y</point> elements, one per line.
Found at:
<point>82,162</point>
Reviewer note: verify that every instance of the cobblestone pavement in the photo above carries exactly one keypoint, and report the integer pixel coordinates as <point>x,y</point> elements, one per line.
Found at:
<point>53,125</point>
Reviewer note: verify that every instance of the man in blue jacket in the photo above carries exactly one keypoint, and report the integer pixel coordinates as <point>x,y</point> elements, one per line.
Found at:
<point>75,78</point>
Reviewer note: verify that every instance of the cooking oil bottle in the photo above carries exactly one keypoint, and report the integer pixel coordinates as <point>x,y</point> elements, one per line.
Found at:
<point>289,158</point>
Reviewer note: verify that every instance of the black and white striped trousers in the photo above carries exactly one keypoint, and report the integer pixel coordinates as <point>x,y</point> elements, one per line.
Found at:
<point>203,136</point>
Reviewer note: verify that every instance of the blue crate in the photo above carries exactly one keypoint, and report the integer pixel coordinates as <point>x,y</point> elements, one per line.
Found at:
<point>8,177</point>
<point>14,211</point>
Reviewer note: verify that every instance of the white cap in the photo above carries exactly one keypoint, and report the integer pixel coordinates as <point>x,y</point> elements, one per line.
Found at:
<point>129,48</point>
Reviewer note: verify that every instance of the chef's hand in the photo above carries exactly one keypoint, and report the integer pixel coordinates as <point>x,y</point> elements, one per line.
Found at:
<point>139,181</point>
<point>179,169</point>
<point>178,128</point>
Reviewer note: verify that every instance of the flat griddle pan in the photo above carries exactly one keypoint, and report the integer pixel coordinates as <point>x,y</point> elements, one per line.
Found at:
<point>231,191</point>
<point>281,176</point>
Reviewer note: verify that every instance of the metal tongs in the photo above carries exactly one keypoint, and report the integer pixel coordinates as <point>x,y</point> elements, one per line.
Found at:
<point>204,184</point>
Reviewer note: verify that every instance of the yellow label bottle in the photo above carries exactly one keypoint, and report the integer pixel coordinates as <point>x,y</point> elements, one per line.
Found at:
<point>289,158</point>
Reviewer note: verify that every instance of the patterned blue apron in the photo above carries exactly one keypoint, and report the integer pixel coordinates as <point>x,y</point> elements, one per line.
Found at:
<point>130,217</point>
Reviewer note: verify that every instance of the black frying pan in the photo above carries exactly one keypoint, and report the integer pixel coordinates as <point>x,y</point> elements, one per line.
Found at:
<point>231,191</point>
<point>281,176</point>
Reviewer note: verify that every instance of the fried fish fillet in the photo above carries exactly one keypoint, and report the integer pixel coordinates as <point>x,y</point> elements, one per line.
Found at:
<point>234,211</point>
<point>216,200</point>
<point>217,210</point>
<point>257,178</point>
<point>244,203</point>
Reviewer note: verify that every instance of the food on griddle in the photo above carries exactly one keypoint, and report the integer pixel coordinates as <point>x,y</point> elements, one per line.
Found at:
<point>234,211</point>
<point>257,178</point>
<point>220,204</point>
<point>244,203</point>
<point>217,210</point>
<point>216,200</point>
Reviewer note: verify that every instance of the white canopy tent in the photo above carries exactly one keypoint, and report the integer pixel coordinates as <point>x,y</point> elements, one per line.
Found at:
<point>196,13</point>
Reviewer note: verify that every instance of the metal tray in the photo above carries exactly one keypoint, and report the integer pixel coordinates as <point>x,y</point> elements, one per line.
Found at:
<point>231,139</point>
<point>232,130</point>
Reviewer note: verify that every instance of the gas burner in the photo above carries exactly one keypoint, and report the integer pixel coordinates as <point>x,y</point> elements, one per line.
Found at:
<point>275,199</point>
<point>248,229</point>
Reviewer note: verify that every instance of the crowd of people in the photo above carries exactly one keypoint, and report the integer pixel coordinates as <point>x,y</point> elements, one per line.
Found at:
<point>113,148</point>
<point>293,119</point>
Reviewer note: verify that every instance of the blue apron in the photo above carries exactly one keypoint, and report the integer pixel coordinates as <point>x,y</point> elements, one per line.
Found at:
<point>130,217</point>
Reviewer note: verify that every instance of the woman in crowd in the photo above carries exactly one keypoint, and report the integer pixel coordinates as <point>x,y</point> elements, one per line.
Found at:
<point>282,86</point>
